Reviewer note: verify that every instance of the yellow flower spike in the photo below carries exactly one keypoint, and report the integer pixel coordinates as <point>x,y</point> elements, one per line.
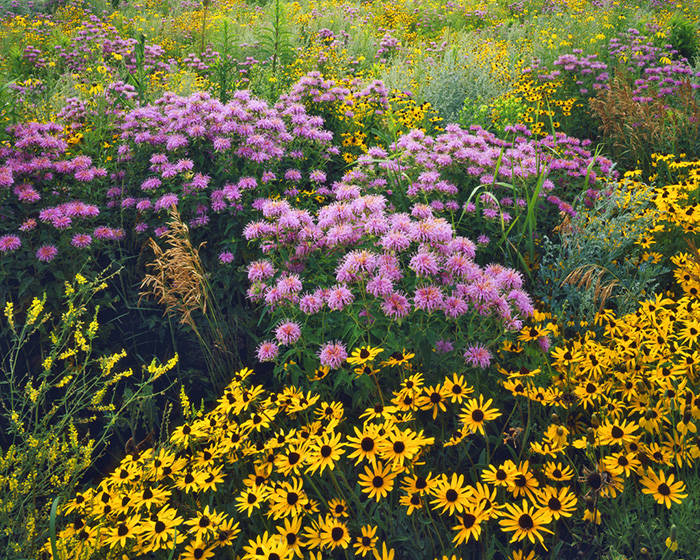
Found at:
<point>9,314</point>
<point>35,310</point>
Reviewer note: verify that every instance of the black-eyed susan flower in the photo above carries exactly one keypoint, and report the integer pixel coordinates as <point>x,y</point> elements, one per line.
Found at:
<point>364,444</point>
<point>290,460</point>
<point>558,472</point>
<point>265,547</point>
<point>289,534</point>
<point>159,530</point>
<point>377,480</point>
<point>401,358</point>
<point>334,533</point>
<point>366,542</point>
<point>204,523</point>
<point>324,452</point>
<point>664,490</point>
<point>363,355</point>
<point>338,507</point>
<point>525,522</point>
<point>197,550</point>
<point>398,446</point>
<point>557,502</point>
<point>456,388</point>
<point>523,481</point>
<point>485,498</point>
<point>451,494</point>
<point>123,531</point>
<point>468,525</point>
<point>499,476</point>
<point>226,532</point>
<point>191,480</point>
<point>476,412</point>
<point>418,483</point>
<point>622,463</point>
<point>412,502</point>
<point>617,433</point>
<point>433,399</point>
<point>287,499</point>
<point>250,499</point>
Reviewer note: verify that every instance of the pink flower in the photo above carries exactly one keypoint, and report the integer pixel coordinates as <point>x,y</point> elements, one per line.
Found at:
<point>292,175</point>
<point>428,298</point>
<point>9,243</point>
<point>333,354</point>
<point>424,264</point>
<point>28,224</point>
<point>317,176</point>
<point>288,332</point>
<point>81,240</point>
<point>166,201</point>
<point>226,257</point>
<point>46,253</point>
<point>339,297</point>
<point>477,355</point>
<point>260,270</point>
<point>267,351</point>
<point>396,305</point>
<point>289,284</point>
<point>311,303</point>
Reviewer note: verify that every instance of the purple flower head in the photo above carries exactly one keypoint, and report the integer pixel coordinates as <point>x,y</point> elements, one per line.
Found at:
<point>46,253</point>
<point>267,351</point>
<point>477,355</point>
<point>9,243</point>
<point>81,240</point>
<point>333,354</point>
<point>288,332</point>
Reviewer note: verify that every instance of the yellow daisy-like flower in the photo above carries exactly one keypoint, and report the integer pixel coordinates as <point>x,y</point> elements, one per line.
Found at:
<point>377,480</point>
<point>364,355</point>
<point>476,412</point>
<point>664,490</point>
<point>468,526</point>
<point>525,522</point>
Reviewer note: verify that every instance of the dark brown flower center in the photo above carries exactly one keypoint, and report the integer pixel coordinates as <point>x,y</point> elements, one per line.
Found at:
<point>525,522</point>
<point>367,444</point>
<point>617,432</point>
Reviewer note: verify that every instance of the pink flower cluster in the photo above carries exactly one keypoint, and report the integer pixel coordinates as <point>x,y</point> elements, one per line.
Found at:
<point>174,144</point>
<point>385,264</point>
<point>445,169</point>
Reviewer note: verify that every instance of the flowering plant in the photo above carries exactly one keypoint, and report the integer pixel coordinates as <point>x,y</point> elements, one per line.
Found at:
<point>361,273</point>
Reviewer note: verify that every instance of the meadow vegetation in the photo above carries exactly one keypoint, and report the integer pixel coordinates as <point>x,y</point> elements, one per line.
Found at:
<point>397,279</point>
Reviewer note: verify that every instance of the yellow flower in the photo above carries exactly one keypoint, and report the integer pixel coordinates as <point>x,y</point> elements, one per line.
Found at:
<point>9,314</point>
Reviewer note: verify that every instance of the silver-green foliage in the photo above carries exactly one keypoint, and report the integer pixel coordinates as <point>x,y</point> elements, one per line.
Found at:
<point>596,262</point>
